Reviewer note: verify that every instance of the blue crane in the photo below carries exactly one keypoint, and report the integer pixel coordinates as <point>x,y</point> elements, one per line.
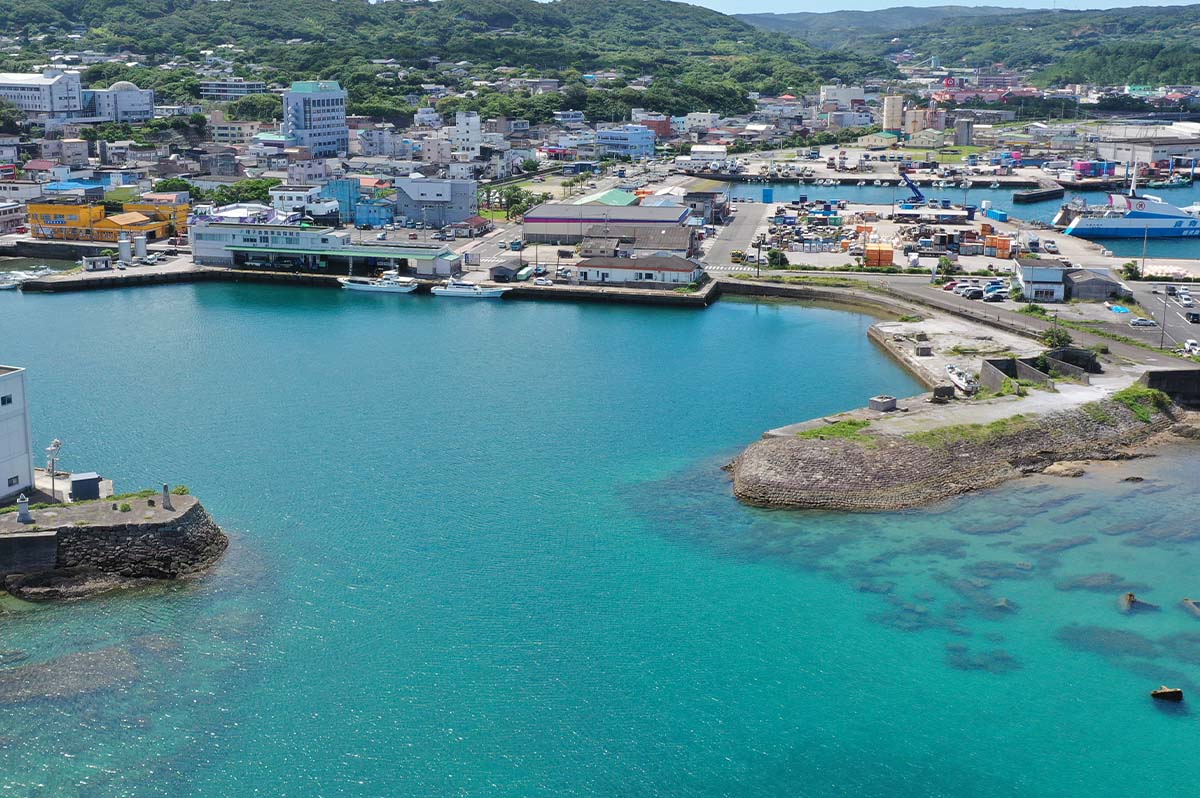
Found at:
<point>917,196</point>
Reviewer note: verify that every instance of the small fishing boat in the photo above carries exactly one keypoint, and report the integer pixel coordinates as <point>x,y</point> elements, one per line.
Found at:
<point>1174,181</point>
<point>468,289</point>
<point>387,283</point>
<point>879,182</point>
<point>1164,693</point>
<point>8,286</point>
<point>1131,603</point>
<point>1192,606</point>
<point>961,379</point>
<point>995,184</point>
<point>864,182</point>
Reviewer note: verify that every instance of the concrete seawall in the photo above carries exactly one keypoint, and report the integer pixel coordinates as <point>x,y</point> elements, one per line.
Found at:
<point>75,550</point>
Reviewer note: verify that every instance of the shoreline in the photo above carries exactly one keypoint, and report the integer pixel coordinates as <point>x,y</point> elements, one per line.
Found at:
<point>73,551</point>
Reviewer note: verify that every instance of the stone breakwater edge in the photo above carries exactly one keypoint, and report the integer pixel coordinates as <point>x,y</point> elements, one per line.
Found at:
<point>78,550</point>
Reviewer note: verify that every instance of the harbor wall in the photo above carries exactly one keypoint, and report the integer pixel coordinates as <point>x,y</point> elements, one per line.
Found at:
<point>1182,385</point>
<point>75,550</point>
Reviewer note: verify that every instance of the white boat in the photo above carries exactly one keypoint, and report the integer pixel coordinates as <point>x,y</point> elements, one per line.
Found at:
<point>995,184</point>
<point>961,379</point>
<point>386,283</point>
<point>864,182</point>
<point>1130,215</point>
<point>965,184</point>
<point>468,289</point>
<point>879,182</point>
<point>8,286</point>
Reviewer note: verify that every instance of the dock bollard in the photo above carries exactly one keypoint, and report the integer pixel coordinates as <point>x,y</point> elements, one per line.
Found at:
<point>166,499</point>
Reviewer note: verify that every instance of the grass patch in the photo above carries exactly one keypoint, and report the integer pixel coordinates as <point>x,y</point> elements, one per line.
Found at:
<point>125,507</point>
<point>849,429</point>
<point>1143,402</point>
<point>912,317</point>
<point>1034,309</point>
<point>804,279</point>
<point>1097,412</point>
<point>973,433</point>
<point>141,494</point>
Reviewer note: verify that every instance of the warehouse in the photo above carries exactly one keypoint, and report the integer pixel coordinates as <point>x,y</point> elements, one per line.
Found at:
<point>561,223</point>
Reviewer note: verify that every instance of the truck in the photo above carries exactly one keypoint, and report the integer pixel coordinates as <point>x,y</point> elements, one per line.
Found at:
<point>621,172</point>
<point>737,256</point>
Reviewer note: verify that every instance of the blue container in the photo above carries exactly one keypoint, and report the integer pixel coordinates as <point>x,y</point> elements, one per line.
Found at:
<point>970,209</point>
<point>827,207</point>
<point>803,199</point>
<point>768,195</point>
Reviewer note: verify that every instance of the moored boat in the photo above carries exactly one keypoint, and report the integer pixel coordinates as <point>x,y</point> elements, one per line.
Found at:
<point>1192,606</point>
<point>468,289</point>
<point>8,286</point>
<point>387,283</point>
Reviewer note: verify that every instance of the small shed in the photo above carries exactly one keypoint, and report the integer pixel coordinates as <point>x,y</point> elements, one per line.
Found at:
<point>505,272</point>
<point>85,485</point>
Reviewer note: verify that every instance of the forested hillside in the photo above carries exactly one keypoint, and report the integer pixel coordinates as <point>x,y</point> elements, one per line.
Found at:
<point>835,29</point>
<point>1117,46</point>
<point>701,58</point>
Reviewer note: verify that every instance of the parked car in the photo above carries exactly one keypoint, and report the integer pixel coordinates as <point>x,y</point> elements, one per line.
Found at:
<point>1193,317</point>
<point>950,285</point>
<point>1191,346</point>
<point>1186,301</point>
<point>973,293</point>
<point>996,296</point>
<point>542,281</point>
<point>413,236</point>
<point>1141,321</point>
<point>539,270</point>
<point>1050,246</point>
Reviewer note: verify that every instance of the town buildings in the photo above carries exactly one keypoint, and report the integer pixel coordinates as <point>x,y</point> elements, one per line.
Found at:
<point>626,141</point>
<point>71,218</point>
<point>314,116</point>
<point>226,89</point>
<point>16,434</point>
<point>52,93</point>
<point>120,102</point>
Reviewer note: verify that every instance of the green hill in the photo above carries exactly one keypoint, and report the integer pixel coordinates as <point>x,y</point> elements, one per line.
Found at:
<point>698,55</point>
<point>1116,46</point>
<point>836,29</point>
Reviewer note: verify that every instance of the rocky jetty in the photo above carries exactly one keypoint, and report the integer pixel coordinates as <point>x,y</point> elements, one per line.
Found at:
<point>870,470</point>
<point>77,550</point>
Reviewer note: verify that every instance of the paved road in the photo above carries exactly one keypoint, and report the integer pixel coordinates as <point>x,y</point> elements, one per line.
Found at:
<point>735,235</point>
<point>1169,312</point>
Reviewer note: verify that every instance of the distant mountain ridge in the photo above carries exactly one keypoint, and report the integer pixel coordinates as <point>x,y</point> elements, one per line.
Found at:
<point>835,29</point>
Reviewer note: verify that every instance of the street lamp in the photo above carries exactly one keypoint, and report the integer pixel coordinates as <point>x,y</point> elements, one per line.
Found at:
<point>52,463</point>
<point>758,242</point>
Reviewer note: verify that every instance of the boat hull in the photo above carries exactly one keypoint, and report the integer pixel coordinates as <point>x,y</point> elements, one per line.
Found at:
<point>379,288</point>
<point>1116,228</point>
<point>482,293</point>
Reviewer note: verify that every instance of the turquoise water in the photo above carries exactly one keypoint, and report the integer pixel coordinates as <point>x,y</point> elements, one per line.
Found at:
<point>1001,199</point>
<point>487,549</point>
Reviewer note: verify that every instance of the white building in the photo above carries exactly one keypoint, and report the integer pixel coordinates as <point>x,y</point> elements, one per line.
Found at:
<point>842,96</point>
<point>302,199</point>
<point>12,215</point>
<point>120,102</point>
<point>16,435</point>
<point>669,269</point>
<point>52,93</point>
<point>427,117</point>
<point>314,116</point>
<point>230,88</point>
<point>569,117</point>
<point>700,120</point>
<point>254,235</point>
<point>385,142</point>
<point>467,134</point>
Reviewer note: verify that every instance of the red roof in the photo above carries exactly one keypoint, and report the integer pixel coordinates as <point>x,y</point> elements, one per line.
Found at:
<point>39,165</point>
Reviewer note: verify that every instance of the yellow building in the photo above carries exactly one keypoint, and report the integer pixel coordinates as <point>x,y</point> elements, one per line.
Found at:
<point>75,219</point>
<point>166,206</point>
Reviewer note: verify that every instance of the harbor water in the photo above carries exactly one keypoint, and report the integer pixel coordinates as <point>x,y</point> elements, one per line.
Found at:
<point>1001,199</point>
<point>487,548</point>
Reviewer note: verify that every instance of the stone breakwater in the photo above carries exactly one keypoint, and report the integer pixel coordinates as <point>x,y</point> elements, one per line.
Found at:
<point>876,471</point>
<point>92,547</point>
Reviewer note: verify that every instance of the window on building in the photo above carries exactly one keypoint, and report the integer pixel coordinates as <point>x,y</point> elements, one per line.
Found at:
<point>6,399</point>
<point>14,481</point>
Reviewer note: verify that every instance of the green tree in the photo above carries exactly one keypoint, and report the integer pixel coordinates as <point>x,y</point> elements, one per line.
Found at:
<point>257,108</point>
<point>777,259</point>
<point>1130,270</point>
<point>1056,337</point>
<point>529,165</point>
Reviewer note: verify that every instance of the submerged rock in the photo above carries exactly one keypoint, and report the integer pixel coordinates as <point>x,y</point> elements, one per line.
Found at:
<point>995,661</point>
<point>1107,642</point>
<point>68,676</point>
<point>1101,583</point>
<point>1066,468</point>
